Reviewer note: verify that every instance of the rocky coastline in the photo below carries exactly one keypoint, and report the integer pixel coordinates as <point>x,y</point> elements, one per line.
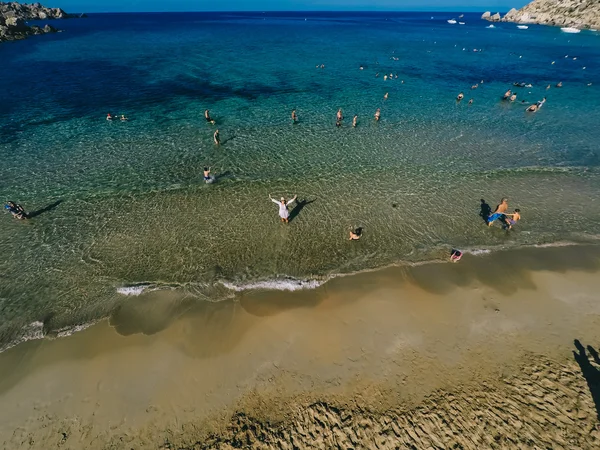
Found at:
<point>13,17</point>
<point>581,14</point>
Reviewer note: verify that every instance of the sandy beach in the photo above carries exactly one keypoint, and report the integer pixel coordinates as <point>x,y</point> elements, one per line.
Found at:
<point>471,355</point>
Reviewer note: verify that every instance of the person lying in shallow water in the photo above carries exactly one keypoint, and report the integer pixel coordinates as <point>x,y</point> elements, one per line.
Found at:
<point>16,210</point>
<point>536,106</point>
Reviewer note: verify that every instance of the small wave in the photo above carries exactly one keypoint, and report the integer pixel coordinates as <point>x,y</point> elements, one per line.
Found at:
<point>31,332</point>
<point>68,331</point>
<point>538,169</point>
<point>137,289</point>
<point>286,284</point>
<point>477,251</point>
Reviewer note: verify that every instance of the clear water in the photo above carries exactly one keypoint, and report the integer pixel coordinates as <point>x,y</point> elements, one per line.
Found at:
<point>134,208</point>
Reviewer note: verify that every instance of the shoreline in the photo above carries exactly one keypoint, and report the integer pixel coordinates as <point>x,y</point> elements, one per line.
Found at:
<point>287,284</point>
<point>381,346</point>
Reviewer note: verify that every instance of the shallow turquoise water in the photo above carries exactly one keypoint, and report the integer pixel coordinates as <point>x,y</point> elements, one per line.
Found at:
<point>134,209</point>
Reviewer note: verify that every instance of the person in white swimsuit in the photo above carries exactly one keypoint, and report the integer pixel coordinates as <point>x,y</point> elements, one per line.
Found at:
<point>283,207</point>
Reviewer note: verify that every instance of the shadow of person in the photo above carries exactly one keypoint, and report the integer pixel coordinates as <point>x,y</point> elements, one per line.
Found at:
<point>486,210</point>
<point>44,209</point>
<point>300,204</point>
<point>223,176</point>
<point>590,373</point>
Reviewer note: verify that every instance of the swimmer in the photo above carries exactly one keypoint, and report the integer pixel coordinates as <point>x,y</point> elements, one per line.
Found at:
<point>459,97</point>
<point>513,97</point>
<point>216,138</point>
<point>385,77</point>
<point>109,117</point>
<point>207,176</point>
<point>123,118</point>
<point>377,75</point>
<point>283,207</point>
<point>294,116</point>
<point>470,101</point>
<point>339,116</point>
<point>499,212</point>
<point>535,107</point>
<point>322,66</point>
<point>354,120</point>
<point>547,87</point>
<point>455,255</point>
<point>378,114</point>
<point>507,94</point>
<point>559,84</point>
<point>207,117</point>
<point>512,219</point>
<point>355,234</point>
<point>16,210</point>
<point>475,86</point>
<point>361,67</point>
<point>385,97</point>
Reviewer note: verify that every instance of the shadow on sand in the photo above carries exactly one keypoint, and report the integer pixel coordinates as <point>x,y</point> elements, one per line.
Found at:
<point>44,209</point>
<point>590,372</point>
<point>300,204</point>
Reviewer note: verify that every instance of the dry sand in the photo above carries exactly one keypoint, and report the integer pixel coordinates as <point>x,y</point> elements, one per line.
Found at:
<point>472,355</point>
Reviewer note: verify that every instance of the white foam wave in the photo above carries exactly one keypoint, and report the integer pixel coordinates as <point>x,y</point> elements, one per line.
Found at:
<point>68,331</point>
<point>286,284</point>
<point>477,251</point>
<point>133,290</point>
<point>31,332</point>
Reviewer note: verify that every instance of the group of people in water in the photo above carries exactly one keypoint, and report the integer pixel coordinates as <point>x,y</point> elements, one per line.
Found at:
<point>511,96</point>
<point>111,117</point>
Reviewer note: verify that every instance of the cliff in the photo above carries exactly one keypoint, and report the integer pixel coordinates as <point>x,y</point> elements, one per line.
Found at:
<point>563,13</point>
<point>13,16</point>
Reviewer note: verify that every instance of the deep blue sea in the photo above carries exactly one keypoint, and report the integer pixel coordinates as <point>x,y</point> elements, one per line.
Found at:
<point>121,206</point>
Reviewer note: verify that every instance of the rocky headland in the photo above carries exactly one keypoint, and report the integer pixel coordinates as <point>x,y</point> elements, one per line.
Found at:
<point>563,13</point>
<point>13,17</point>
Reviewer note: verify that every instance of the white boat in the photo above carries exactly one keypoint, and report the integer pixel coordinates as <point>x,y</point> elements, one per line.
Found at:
<point>570,30</point>
<point>522,27</point>
<point>452,21</point>
<point>491,26</point>
<point>461,23</point>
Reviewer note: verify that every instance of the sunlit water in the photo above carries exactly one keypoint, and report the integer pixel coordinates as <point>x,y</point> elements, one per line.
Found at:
<point>134,208</point>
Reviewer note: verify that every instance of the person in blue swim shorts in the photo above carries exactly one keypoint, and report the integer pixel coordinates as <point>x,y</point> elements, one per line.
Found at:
<point>499,212</point>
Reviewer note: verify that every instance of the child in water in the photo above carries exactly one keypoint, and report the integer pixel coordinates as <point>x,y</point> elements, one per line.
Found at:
<point>512,219</point>
<point>455,255</point>
<point>355,234</point>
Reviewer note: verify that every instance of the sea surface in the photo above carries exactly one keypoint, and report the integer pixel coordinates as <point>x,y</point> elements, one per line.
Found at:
<point>121,207</point>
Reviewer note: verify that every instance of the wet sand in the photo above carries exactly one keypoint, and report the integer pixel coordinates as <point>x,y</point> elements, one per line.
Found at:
<point>471,355</point>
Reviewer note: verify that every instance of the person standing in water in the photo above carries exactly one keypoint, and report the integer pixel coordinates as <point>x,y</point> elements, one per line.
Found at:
<point>207,176</point>
<point>378,114</point>
<point>216,138</point>
<point>207,117</point>
<point>385,97</point>
<point>339,116</point>
<point>294,116</point>
<point>283,207</point>
<point>354,120</point>
<point>499,212</point>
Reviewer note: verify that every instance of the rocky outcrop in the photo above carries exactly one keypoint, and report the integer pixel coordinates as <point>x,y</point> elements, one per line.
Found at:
<point>563,13</point>
<point>13,17</point>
